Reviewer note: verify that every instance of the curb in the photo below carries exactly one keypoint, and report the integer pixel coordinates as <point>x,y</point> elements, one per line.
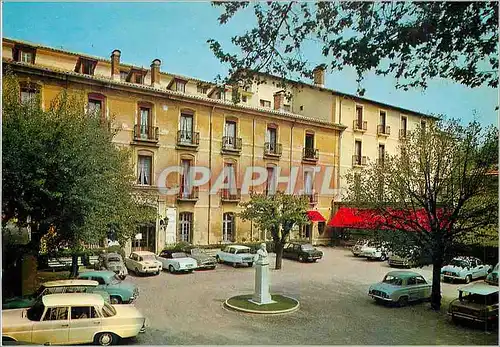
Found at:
<point>288,310</point>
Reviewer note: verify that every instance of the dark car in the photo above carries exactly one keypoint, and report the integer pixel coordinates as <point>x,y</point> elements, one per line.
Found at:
<point>301,252</point>
<point>112,262</point>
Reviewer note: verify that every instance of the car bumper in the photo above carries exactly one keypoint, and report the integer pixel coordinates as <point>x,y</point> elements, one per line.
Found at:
<point>151,270</point>
<point>380,298</point>
<point>206,266</point>
<point>451,277</point>
<point>471,318</point>
<point>396,263</point>
<point>187,268</point>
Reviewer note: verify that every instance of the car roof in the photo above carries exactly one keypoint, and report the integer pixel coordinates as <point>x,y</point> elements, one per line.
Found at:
<point>143,253</point>
<point>479,288</point>
<point>100,273</point>
<point>403,274</point>
<point>73,299</point>
<point>112,255</point>
<point>68,283</point>
<point>239,247</point>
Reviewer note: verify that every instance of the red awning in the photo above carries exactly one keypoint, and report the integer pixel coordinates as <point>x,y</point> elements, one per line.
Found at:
<point>315,216</point>
<point>354,218</point>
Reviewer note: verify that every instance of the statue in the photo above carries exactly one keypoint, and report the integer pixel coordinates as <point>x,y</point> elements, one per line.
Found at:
<point>261,295</point>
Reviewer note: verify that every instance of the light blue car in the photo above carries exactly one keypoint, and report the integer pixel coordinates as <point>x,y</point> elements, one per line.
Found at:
<point>119,291</point>
<point>401,287</point>
<point>492,277</point>
<point>464,269</point>
<point>235,255</point>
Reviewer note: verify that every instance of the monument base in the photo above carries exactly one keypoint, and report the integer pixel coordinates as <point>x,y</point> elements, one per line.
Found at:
<point>267,302</point>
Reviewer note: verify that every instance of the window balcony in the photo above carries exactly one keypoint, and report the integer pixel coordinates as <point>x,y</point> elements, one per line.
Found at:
<point>189,139</point>
<point>358,160</point>
<point>230,195</point>
<point>231,145</point>
<point>383,130</point>
<point>186,195</point>
<point>146,133</point>
<point>310,154</point>
<point>359,125</point>
<point>273,150</point>
<point>312,198</point>
<point>403,134</point>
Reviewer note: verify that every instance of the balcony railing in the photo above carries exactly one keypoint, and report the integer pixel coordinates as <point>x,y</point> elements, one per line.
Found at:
<point>273,149</point>
<point>358,160</point>
<point>383,130</point>
<point>310,154</point>
<point>230,195</point>
<point>145,133</point>
<point>403,133</point>
<point>312,198</point>
<point>188,194</point>
<point>359,125</point>
<point>188,138</point>
<point>231,144</point>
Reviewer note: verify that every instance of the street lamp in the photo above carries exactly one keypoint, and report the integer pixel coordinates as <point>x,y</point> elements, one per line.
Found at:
<point>164,222</point>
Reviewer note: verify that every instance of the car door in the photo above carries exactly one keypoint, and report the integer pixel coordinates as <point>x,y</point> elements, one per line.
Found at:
<point>412,288</point>
<point>101,281</point>
<point>297,250</point>
<point>287,250</point>
<point>161,258</point>
<point>53,328</point>
<point>84,323</point>
<point>424,289</point>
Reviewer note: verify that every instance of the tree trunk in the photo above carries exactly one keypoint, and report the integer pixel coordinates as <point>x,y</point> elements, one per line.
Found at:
<point>278,248</point>
<point>437,263</point>
<point>74,266</point>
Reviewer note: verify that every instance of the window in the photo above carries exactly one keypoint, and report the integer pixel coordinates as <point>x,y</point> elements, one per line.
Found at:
<point>28,94</point>
<point>180,85</point>
<point>382,120</point>
<point>144,121</point>
<point>185,226</point>
<point>85,66</point>
<point>271,138</point>
<point>421,280</point>
<point>286,108</point>
<point>95,105</point>
<point>139,78</point>
<point>357,152</point>
<point>202,89</point>
<point>230,134</point>
<point>302,107</point>
<point>308,182</point>
<point>83,312</point>
<point>271,180</point>
<point>144,170</point>
<point>123,75</point>
<point>228,227</point>
<point>310,141</point>
<point>321,227</point>
<point>186,128</point>
<point>265,103</point>
<point>230,175</point>
<point>411,281</point>
<point>186,178</point>
<point>359,116</point>
<point>24,54</point>
<point>26,57</point>
<point>56,313</point>
<point>381,153</point>
<point>99,280</point>
<point>404,125</point>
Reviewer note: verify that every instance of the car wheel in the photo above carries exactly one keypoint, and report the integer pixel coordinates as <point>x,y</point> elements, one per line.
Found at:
<point>468,279</point>
<point>403,301</point>
<point>301,258</point>
<point>157,272</point>
<point>235,264</point>
<point>383,257</point>
<point>219,260</point>
<point>136,271</point>
<point>212,268</point>
<point>171,269</point>
<point>106,339</point>
<point>115,300</point>
<point>250,264</point>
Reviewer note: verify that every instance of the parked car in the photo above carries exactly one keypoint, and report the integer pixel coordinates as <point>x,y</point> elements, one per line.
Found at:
<point>401,287</point>
<point>112,262</point>
<point>464,269</point>
<point>52,287</point>
<point>175,261</point>
<point>204,261</point>
<point>72,319</point>
<point>356,249</point>
<point>301,252</point>
<point>409,260</point>
<point>492,277</point>
<point>236,255</point>
<point>375,251</point>
<point>477,302</point>
<point>143,262</point>
<point>119,291</point>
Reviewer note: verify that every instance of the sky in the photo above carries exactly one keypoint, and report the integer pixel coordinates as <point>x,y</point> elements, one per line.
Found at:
<point>176,33</point>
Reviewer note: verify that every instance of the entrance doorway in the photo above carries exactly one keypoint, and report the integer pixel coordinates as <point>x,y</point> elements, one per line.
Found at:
<point>145,239</point>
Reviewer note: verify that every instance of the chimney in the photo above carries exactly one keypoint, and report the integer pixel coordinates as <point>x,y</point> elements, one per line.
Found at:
<point>115,64</point>
<point>279,100</point>
<point>155,73</point>
<point>319,75</point>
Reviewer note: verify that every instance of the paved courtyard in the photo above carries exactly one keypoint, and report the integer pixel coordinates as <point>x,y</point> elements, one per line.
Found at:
<point>335,308</point>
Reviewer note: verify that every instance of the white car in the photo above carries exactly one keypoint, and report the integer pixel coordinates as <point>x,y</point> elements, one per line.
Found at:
<point>63,319</point>
<point>235,255</point>
<point>356,249</point>
<point>175,261</point>
<point>143,262</point>
<point>374,250</point>
<point>464,269</point>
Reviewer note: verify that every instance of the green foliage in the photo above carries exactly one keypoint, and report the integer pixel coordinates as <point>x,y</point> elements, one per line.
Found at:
<point>60,168</point>
<point>277,214</point>
<point>180,246</point>
<point>411,41</point>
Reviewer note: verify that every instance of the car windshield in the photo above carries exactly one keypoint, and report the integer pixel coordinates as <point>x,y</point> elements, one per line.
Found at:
<point>307,247</point>
<point>38,292</point>
<point>35,312</point>
<point>114,260</point>
<point>396,281</point>
<point>479,299</point>
<point>114,279</point>
<point>459,263</point>
<point>148,257</point>
<point>108,310</point>
<point>244,250</point>
<point>179,255</point>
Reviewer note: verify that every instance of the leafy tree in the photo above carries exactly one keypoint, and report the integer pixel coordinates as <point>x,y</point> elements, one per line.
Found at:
<point>278,214</point>
<point>61,170</point>
<point>433,192</point>
<point>411,41</point>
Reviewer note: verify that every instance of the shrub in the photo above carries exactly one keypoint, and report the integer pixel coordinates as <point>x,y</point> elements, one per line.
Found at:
<point>180,246</point>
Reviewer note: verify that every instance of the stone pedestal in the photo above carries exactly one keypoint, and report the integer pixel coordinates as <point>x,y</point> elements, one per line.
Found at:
<point>261,295</point>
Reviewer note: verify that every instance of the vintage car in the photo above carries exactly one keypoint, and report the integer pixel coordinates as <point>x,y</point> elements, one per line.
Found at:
<point>235,255</point>
<point>119,291</point>
<point>464,269</point>
<point>375,251</point>
<point>477,302</point>
<point>204,261</point>
<point>143,262</point>
<point>409,260</point>
<point>401,287</point>
<point>175,261</point>
<point>492,277</point>
<point>63,319</point>
<point>53,287</point>
<point>301,252</point>
<point>112,262</point>
<point>356,249</point>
